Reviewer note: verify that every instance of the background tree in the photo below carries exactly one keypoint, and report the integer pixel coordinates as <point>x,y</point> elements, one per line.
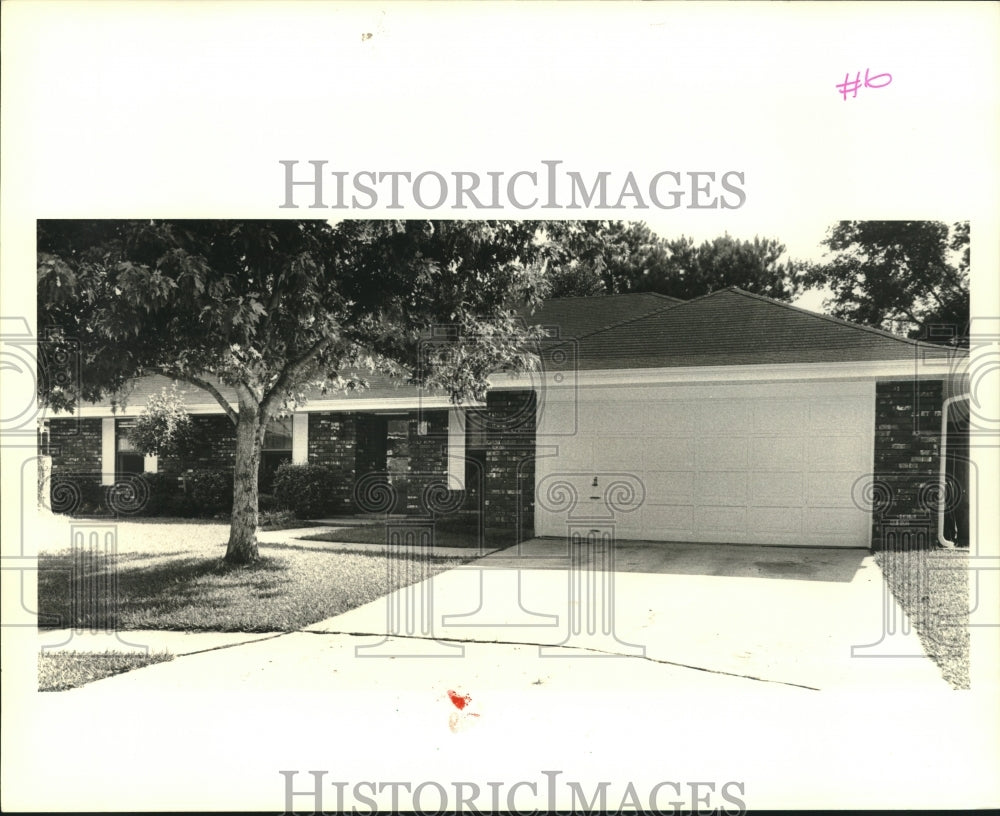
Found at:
<point>613,257</point>
<point>597,257</point>
<point>164,428</point>
<point>687,270</point>
<point>272,309</point>
<point>902,276</point>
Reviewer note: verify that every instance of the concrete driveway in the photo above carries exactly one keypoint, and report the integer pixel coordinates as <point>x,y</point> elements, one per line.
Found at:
<point>714,618</point>
<point>815,618</point>
<point>712,656</point>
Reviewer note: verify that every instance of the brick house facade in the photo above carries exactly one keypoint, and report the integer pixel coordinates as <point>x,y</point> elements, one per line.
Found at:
<point>739,420</point>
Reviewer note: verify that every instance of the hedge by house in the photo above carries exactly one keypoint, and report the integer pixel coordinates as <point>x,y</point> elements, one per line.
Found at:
<point>309,491</point>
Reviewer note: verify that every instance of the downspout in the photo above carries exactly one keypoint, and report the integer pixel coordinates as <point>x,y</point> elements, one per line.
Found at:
<point>943,474</point>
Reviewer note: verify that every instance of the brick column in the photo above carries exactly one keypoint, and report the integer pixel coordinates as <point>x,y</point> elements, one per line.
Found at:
<point>907,459</point>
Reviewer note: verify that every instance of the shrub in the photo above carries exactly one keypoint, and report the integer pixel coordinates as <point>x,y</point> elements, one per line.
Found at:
<point>277,520</point>
<point>77,494</point>
<point>306,490</point>
<point>209,491</point>
<point>166,496</point>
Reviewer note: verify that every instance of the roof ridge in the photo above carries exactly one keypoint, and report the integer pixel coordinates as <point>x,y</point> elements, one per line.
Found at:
<point>837,320</point>
<point>608,295</point>
<point>627,320</point>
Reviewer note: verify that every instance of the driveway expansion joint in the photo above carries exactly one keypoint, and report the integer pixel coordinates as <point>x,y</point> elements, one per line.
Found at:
<point>445,639</point>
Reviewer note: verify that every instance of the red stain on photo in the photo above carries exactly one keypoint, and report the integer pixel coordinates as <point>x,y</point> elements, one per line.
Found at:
<point>460,701</point>
<point>459,720</point>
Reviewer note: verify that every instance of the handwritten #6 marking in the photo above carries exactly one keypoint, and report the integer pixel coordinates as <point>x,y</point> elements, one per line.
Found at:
<point>852,86</point>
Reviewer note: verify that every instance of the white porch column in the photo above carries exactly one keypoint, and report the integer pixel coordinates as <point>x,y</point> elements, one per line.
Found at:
<point>456,449</point>
<point>150,463</point>
<point>108,451</point>
<point>300,439</point>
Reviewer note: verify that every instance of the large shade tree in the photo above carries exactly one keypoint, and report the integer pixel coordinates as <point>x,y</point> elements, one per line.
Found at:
<point>274,309</point>
<point>906,276</point>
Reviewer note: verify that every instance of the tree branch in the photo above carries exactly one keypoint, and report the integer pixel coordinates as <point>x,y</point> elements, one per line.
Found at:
<point>205,386</point>
<point>292,371</point>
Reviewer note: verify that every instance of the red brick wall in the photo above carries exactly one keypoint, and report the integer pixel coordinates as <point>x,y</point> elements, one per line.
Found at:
<point>332,442</point>
<point>510,461</point>
<point>215,448</point>
<point>907,460</point>
<point>75,445</point>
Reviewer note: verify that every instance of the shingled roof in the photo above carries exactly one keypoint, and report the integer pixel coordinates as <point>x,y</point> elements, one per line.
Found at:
<point>571,317</point>
<point>577,316</point>
<point>648,330</point>
<point>734,327</point>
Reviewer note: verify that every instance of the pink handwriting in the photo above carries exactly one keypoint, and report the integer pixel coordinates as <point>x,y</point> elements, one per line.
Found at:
<point>852,86</point>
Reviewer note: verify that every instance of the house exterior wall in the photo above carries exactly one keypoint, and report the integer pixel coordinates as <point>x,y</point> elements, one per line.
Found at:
<point>216,448</point>
<point>510,424</point>
<point>75,446</point>
<point>907,460</point>
<point>428,453</point>
<point>333,442</point>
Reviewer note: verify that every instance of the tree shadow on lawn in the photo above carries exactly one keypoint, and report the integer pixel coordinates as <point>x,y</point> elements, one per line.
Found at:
<point>149,594</point>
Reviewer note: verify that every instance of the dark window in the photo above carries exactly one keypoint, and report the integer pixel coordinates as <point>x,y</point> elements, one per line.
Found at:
<point>127,459</point>
<point>475,429</point>
<point>276,450</point>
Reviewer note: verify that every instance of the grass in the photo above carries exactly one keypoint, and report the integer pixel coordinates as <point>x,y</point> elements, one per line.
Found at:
<point>932,587</point>
<point>171,576</point>
<point>445,536</point>
<point>59,671</point>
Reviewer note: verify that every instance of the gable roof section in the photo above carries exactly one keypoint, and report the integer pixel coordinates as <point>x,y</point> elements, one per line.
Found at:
<point>572,316</point>
<point>647,330</point>
<point>577,316</point>
<point>734,327</point>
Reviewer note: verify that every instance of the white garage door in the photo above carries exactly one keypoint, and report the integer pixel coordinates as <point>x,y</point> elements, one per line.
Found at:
<point>755,464</point>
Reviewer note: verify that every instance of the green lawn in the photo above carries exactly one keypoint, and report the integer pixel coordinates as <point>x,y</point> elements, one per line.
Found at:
<point>171,576</point>
<point>932,587</point>
<point>59,671</point>
<point>444,536</point>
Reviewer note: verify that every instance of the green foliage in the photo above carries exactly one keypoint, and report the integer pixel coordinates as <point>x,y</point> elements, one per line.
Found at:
<point>306,490</point>
<point>611,257</point>
<point>271,306</point>
<point>164,427</point>
<point>75,494</point>
<point>166,496</point>
<point>902,276</point>
<point>756,266</point>
<point>209,491</point>
<point>586,258</point>
<point>277,309</point>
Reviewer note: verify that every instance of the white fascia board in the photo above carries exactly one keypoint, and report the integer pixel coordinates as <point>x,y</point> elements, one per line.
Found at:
<point>386,405</point>
<point>873,370</point>
<point>552,383</point>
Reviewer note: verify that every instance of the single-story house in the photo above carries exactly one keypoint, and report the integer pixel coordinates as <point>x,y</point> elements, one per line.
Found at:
<point>731,418</point>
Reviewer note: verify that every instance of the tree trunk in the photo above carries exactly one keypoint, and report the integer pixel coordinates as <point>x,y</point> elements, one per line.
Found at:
<point>243,528</point>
